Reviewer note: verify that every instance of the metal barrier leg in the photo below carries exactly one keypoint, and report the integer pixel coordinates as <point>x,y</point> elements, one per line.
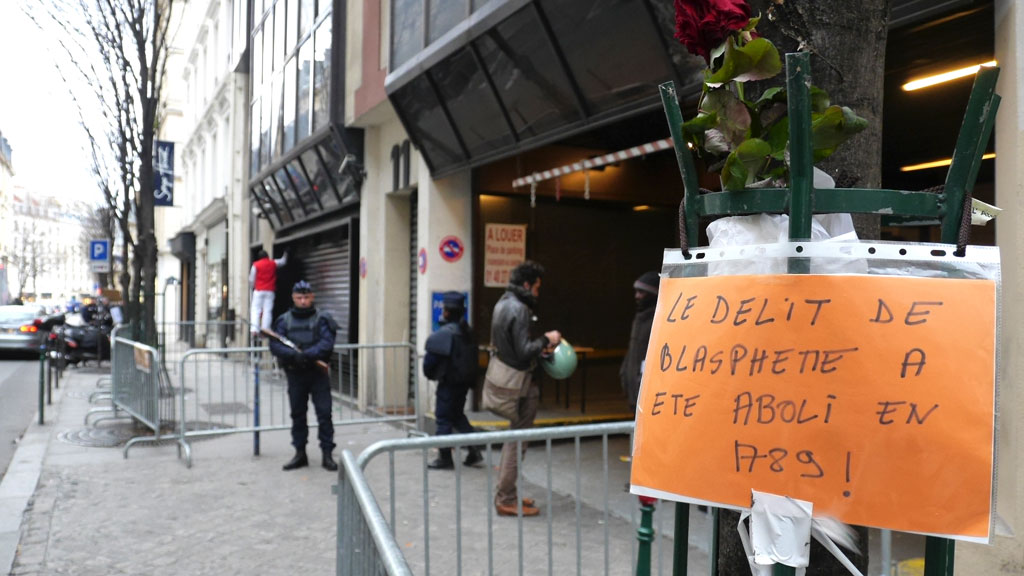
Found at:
<point>645,535</point>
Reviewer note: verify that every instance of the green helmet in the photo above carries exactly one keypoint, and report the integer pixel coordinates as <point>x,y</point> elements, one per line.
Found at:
<point>562,362</point>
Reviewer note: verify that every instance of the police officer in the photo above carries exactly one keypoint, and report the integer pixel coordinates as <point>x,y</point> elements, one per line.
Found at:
<point>451,360</point>
<point>313,332</point>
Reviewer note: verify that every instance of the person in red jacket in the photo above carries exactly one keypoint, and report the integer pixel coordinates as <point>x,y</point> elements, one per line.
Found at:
<point>262,282</point>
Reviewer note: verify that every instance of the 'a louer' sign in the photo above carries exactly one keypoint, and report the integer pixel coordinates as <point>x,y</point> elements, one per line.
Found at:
<point>870,396</point>
<point>504,249</point>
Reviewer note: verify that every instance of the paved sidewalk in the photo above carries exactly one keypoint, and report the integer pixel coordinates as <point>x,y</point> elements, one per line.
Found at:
<point>93,512</point>
<point>69,509</point>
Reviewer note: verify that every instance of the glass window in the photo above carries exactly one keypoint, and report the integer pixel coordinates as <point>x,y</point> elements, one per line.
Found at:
<point>289,105</point>
<point>260,200</point>
<point>293,26</point>
<point>330,153</point>
<point>265,130</point>
<point>276,117</point>
<point>288,192</point>
<point>275,211</point>
<point>478,3</point>
<point>321,182</point>
<point>322,75</point>
<point>302,186</point>
<point>444,15</point>
<point>406,30</point>
<point>278,201</point>
<point>254,139</point>
<point>268,48</point>
<point>529,81</point>
<point>305,70</point>
<point>257,58</point>
<point>279,46</point>
<point>427,122</point>
<point>591,36</point>
<point>475,112</point>
<point>306,16</point>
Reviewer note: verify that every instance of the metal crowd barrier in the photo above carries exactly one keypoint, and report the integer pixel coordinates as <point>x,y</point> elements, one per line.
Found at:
<point>232,390</point>
<point>141,387</point>
<point>448,524</point>
<point>174,339</point>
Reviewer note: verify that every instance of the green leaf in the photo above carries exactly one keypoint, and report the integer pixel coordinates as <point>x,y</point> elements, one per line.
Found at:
<point>778,138</point>
<point>776,94</point>
<point>819,100</point>
<point>752,23</point>
<point>830,129</point>
<point>733,116</point>
<point>744,163</point>
<point>700,124</point>
<point>756,60</point>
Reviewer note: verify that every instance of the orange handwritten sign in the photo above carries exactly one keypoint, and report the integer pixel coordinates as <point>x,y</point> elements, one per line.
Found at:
<point>870,396</point>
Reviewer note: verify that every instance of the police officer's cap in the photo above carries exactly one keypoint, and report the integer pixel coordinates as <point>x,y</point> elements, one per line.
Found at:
<point>302,287</point>
<point>454,300</point>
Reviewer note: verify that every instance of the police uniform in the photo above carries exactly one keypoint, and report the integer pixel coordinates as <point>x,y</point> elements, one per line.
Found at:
<point>451,360</point>
<point>313,332</point>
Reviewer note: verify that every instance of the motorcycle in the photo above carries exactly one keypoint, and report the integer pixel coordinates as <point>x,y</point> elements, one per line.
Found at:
<point>81,339</point>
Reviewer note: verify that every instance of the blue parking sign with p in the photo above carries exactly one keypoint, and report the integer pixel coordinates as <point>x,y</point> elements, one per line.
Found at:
<point>99,250</point>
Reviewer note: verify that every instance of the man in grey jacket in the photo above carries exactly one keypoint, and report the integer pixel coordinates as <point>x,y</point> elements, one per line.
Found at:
<point>510,335</point>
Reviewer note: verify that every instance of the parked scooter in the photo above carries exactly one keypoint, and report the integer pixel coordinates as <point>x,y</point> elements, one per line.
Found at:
<point>84,336</point>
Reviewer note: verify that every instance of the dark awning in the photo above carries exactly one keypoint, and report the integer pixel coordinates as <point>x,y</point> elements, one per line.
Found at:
<point>518,74</point>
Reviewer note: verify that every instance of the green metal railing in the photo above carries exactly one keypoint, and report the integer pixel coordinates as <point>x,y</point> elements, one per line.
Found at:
<point>950,208</point>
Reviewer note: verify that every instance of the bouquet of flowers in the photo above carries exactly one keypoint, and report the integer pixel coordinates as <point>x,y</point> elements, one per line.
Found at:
<point>743,136</point>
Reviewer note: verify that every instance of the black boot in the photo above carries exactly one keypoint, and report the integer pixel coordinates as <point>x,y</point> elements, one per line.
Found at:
<point>443,461</point>
<point>474,457</point>
<point>329,464</point>
<point>298,461</point>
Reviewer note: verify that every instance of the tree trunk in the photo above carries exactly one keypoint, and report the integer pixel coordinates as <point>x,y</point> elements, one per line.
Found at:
<point>847,45</point>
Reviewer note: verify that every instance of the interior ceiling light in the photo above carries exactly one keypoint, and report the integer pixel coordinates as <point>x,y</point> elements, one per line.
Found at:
<point>641,208</point>
<point>945,76</point>
<point>939,163</point>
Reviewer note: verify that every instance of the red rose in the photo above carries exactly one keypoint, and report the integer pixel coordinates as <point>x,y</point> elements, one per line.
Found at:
<point>702,25</point>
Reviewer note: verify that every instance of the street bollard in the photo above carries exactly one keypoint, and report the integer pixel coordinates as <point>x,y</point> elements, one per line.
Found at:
<point>49,377</point>
<point>42,383</point>
<point>256,406</point>
<point>645,534</point>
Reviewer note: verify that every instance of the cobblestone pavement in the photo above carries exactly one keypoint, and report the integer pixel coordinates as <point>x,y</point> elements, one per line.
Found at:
<point>94,512</point>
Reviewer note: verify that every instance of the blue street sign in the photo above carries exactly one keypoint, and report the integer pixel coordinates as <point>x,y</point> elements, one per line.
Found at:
<point>437,305</point>
<point>163,173</point>
<point>99,250</point>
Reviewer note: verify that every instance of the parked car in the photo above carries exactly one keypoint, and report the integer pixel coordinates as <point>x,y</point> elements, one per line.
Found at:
<point>23,328</point>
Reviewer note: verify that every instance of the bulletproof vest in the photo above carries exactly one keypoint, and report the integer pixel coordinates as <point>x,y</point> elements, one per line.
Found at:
<point>463,363</point>
<point>302,331</point>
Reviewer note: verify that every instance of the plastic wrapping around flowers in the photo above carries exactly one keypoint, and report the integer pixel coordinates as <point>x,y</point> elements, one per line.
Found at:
<point>562,362</point>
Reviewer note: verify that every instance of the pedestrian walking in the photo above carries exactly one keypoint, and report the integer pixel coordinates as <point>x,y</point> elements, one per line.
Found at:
<point>304,343</point>
<point>263,283</point>
<point>510,336</point>
<point>451,360</point>
<point>645,294</point>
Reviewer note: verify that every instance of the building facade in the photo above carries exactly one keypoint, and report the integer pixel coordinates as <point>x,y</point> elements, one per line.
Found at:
<point>304,173</point>
<point>47,253</point>
<point>211,268</point>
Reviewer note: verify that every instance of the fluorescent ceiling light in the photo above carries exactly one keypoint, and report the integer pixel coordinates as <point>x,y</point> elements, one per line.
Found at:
<point>938,163</point>
<point>945,76</point>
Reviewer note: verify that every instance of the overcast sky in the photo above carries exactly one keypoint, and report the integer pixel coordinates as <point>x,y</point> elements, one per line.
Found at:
<point>49,149</point>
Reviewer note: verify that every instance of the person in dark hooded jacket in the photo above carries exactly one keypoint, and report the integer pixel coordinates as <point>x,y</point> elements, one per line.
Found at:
<point>451,360</point>
<point>645,293</point>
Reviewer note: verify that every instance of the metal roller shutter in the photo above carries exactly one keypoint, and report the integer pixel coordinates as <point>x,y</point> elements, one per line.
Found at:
<point>325,261</point>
